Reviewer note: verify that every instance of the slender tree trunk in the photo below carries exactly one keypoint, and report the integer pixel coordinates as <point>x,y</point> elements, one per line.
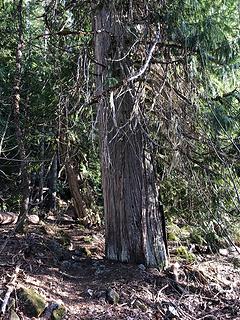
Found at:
<point>42,168</point>
<point>133,222</point>
<point>19,134</point>
<point>72,178</point>
<point>74,189</point>
<point>52,183</point>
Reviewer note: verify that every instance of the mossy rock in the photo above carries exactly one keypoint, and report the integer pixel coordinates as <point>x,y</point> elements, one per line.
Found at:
<point>13,315</point>
<point>171,236</point>
<point>58,313</point>
<point>59,251</point>
<point>184,253</point>
<point>31,302</point>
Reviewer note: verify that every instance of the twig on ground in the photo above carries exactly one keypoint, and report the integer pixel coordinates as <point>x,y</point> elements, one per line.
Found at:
<point>10,286</point>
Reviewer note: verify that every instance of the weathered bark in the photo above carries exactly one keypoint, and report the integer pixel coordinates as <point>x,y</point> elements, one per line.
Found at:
<point>19,134</point>
<point>133,222</point>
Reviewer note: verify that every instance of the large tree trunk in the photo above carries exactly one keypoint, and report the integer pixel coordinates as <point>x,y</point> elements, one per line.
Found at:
<point>19,134</point>
<point>133,222</point>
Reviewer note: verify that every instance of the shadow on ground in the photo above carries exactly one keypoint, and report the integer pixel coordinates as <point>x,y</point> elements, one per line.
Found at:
<point>66,263</point>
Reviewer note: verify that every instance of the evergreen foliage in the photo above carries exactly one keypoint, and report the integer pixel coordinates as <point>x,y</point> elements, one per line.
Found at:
<point>191,102</point>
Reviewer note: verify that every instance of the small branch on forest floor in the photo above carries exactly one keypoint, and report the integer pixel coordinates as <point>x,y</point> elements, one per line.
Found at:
<point>10,286</point>
<point>69,276</point>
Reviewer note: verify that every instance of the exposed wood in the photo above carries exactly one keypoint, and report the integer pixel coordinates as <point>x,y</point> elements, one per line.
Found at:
<point>8,218</point>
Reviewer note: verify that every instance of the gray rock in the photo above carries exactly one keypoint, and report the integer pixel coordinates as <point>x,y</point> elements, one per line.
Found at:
<point>112,296</point>
<point>58,250</point>
<point>70,265</point>
<point>142,267</point>
<point>33,218</point>
<point>66,265</point>
<point>58,313</point>
<point>54,311</point>
<point>13,315</point>
<point>224,252</point>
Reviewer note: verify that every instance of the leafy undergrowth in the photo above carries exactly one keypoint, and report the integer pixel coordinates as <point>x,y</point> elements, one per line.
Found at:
<point>66,264</point>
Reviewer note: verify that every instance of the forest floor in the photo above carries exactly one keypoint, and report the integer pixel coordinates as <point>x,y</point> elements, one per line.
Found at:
<point>66,264</point>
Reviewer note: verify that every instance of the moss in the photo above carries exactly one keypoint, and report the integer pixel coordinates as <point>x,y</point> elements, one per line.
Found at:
<point>32,303</point>
<point>196,237</point>
<point>173,232</point>
<point>214,241</point>
<point>81,227</point>
<point>87,252</point>
<point>88,239</point>
<point>185,254</point>
<point>184,232</point>
<point>172,236</point>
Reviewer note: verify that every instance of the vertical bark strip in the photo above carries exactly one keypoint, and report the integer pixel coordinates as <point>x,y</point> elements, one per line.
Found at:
<point>132,214</point>
<point>16,112</point>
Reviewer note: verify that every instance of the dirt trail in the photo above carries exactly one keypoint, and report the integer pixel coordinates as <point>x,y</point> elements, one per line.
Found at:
<point>65,263</point>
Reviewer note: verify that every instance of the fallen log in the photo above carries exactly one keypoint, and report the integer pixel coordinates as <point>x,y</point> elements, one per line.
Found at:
<point>8,218</point>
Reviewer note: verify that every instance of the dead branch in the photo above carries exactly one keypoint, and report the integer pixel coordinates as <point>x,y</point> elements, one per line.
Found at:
<point>10,286</point>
